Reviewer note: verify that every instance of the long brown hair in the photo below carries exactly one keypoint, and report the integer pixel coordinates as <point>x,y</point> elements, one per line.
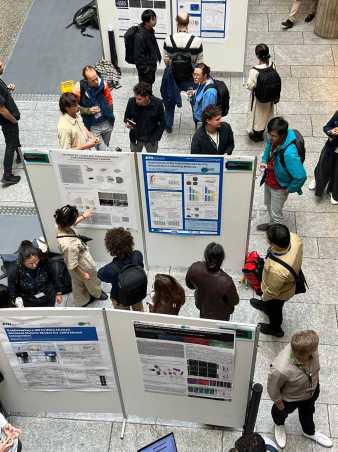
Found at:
<point>168,291</point>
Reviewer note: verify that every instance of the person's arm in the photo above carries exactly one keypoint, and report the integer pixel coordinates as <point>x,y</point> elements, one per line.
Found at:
<point>84,216</point>
<point>4,112</point>
<point>128,112</point>
<point>232,294</point>
<point>273,284</point>
<point>230,144</point>
<point>276,381</point>
<point>54,280</point>
<point>12,280</point>
<point>295,168</point>
<point>209,97</point>
<point>266,153</point>
<point>252,80</point>
<point>189,279</point>
<point>195,144</point>
<point>161,122</point>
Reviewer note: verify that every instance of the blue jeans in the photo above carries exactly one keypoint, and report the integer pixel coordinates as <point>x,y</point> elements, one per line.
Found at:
<point>169,110</point>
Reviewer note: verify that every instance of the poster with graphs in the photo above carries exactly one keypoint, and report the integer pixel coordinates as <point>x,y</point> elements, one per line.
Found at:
<point>183,194</point>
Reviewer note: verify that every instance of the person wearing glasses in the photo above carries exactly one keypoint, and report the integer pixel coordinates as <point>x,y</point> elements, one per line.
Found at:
<point>293,383</point>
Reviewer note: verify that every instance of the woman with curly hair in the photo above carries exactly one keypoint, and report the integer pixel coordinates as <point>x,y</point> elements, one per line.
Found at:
<point>168,296</point>
<point>120,244</point>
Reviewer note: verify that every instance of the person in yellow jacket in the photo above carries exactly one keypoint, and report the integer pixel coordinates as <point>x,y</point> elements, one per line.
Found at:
<point>278,283</point>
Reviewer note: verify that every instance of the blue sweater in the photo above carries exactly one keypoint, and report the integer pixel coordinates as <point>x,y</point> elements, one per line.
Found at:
<point>294,181</point>
<point>202,98</point>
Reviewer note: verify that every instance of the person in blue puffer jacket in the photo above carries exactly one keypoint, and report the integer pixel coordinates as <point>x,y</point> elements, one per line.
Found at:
<point>205,94</point>
<point>280,180</point>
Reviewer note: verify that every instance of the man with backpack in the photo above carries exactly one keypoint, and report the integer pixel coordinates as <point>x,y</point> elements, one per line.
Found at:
<point>205,94</point>
<point>182,51</point>
<point>282,163</point>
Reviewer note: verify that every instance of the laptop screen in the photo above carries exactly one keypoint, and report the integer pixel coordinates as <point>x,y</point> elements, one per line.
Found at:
<point>165,444</point>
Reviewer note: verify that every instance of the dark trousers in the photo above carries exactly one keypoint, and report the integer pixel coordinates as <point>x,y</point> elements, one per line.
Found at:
<point>146,74</point>
<point>169,109</point>
<point>306,409</point>
<point>274,310</point>
<point>326,173</point>
<point>11,134</point>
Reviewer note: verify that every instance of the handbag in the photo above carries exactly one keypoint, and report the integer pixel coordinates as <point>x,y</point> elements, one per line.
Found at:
<point>301,284</point>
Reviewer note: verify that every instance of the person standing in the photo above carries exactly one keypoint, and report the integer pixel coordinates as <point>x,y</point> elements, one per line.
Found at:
<point>261,112</point>
<point>205,94</point>
<point>79,262</point>
<point>96,106</point>
<point>9,119</point>
<point>293,384</point>
<point>290,21</point>
<point>278,283</point>
<point>284,172</point>
<point>182,51</point>
<point>214,136</point>
<point>144,117</point>
<point>215,292</point>
<point>146,50</point>
<point>326,171</point>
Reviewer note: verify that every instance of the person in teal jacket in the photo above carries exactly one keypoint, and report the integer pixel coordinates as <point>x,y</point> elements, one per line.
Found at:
<point>206,93</point>
<point>280,180</point>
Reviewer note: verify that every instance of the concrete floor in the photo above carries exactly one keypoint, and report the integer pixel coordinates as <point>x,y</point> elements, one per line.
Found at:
<point>309,69</point>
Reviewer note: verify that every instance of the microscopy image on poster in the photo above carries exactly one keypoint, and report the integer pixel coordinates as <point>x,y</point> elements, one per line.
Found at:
<point>58,354</point>
<point>190,362</point>
<point>99,181</point>
<point>183,194</point>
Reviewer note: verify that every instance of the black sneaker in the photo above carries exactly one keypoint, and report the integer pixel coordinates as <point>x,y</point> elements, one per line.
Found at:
<point>287,24</point>
<point>10,180</point>
<point>263,227</point>
<point>309,17</point>
<point>256,137</point>
<point>257,304</point>
<point>266,329</point>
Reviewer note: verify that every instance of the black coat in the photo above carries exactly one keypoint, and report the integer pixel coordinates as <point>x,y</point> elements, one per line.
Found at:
<point>7,101</point>
<point>146,50</point>
<point>332,142</point>
<point>149,120</point>
<point>202,143</point>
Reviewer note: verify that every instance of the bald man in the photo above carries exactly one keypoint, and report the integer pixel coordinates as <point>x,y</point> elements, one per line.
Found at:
<point>176,46</point>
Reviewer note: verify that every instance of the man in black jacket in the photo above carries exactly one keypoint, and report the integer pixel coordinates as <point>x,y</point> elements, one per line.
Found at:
<point>9,117</point>
<point>214,136</point>
<point>146,51</point>
<point>144,116</point>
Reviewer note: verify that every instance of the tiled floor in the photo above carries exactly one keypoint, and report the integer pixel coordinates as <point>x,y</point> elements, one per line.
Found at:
<point>309,68</point>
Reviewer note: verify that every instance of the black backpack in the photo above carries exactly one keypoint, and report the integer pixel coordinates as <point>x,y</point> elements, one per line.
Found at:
<point>268,86</point>
<point>86,17</point>
<point>300,145</point>
<point>129,43</point>
<point>223,95</point>
<point>132,284</point>
<point>181,61</point>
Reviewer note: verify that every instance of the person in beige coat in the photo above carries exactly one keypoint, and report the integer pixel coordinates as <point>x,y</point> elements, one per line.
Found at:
<point>278,284</point>
<point>79,262</point>
<point>259,113</point>
<point>293,383</point>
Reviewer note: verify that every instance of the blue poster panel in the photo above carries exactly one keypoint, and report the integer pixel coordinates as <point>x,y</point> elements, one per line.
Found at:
<point>183,194</point>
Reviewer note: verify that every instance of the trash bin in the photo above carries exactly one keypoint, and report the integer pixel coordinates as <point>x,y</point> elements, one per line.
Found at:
<point>326,24</point>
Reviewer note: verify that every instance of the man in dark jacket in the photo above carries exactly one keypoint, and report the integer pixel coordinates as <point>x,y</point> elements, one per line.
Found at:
<point>214,136</point>
<point>144,116</point>
<point>146,51</point>
<point>9,117</point>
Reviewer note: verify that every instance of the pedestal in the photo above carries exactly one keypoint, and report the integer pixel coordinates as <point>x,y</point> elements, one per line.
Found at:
<point>326,25</point>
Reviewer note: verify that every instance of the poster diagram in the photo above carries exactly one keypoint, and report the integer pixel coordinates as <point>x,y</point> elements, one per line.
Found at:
<point>207,17</point>
<point>183,194</point>
<point>189,362</point>
<point>98,181</point>
<point>129,13</point>
<point>51,355</point>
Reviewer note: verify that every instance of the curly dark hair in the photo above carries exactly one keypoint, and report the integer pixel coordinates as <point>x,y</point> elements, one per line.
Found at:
<point>169,292</point>
<point>119,242</point>
<point>66,216</point>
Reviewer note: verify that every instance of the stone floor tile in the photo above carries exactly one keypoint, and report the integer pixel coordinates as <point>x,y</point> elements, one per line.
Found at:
<point>311,38</point>
<point>314,71</point>
<point>135,437</point>
<point>266,353</point>
<point>333,419</point>
<point>328,248</point>
<point>189,309</point>
<point>238,105</point>
<point>303,55</point>
<point>299,444</point>
<point>328,374</point>
<point>229,438</point>
<point>257,22</point>
<point>39,435</point>
<point>98,417</point>
<point>17,193</point>
<point>274,37</point>
<point>290,90</point>
<point>197,440</point>
<point>301,123</point>
<point>238,124</point>
<point>335,54</point>
<point>318,225</point>
<point>318,121</point>
<point>317,448</point>
<point>306,107</point>
<point>266,8</point>
<point>318,89</point>
<point>276,19</point>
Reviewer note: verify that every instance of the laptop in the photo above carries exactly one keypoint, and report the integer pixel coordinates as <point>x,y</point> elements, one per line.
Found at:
<point>165,444</point>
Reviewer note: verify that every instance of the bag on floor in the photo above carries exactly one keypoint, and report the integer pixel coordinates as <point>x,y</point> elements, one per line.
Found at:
<point>129,43</point>
<point>223,95</point>
<point>253,271</point>
<point>268,85</point>
<point>301,284</point>
<point>86,17</point>
<point>132,284</point>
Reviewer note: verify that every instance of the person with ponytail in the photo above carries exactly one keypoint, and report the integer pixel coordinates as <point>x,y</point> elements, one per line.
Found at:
<point>215,292</point>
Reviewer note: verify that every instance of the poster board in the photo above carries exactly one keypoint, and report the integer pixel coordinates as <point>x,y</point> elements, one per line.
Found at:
<point>181,250</point>
<point>171,402</point>
<point>28,357</point>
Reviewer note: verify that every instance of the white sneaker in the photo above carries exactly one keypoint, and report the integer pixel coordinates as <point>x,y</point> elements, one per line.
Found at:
<point>320,438</point>
<point>280,436</point>
<point>312,184</point>
<point>333,201</point>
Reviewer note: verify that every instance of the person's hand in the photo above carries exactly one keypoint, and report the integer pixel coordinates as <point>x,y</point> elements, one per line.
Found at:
<point>166,60</point>
<point>6,445</point>
<point>11,87</point>
<point>190,92</point>
<point>11,431</point>
<point>58,298</point>
<point>129,126</point>
<point>334,131</point>
<point>86,276</point>
<point>280,405</point>
<point>95,109</point>
<point>87,214</point>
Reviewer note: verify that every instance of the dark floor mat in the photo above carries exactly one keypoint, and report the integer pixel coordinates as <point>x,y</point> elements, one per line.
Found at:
<point>46,52</point>
<point>15,228</point>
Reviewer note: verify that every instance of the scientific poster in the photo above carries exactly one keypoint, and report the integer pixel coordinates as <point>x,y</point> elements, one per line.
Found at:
<point>189,362</point>
<point>58,354</point>
<point>183,194</point>
<point>101,181</point>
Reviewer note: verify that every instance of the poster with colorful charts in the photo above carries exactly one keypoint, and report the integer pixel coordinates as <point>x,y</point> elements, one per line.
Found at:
<point>183,194</point>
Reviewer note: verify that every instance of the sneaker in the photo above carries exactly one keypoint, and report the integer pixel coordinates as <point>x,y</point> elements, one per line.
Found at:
<point>312,184</point>
<point>333,201</point>
<point>287,24</point>
<point>255,137</point>
<point>266,329</point>
<point>320,438</point>
<point>263,227</point>
<point>257,304</point>
<point>103,296</point>
<point>309,17</point>
<point>280,436</point>
<point>10,180</point>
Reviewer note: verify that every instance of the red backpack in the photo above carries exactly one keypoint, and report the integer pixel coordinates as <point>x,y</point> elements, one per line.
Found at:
<point>253,271</point>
